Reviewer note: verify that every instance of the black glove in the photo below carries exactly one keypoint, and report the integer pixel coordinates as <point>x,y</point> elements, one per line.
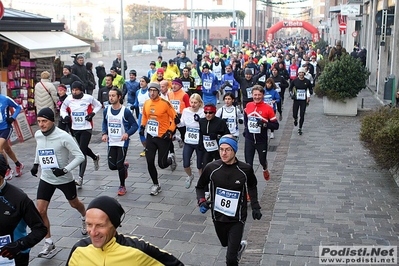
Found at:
<point>167,135</point>
<point>240,121</point>
<point>10,120</point>
<point>196,117</point>
<point>59,171</point>
<point>34,169</point>
<point>11,250</point>
<point>66,120</point>
<point>132,107</point>
<point>310,91</point>
<point>256,214</point>
<point>213,136</point>
<point>214,92</point>
<point>261,123</point>
<point>292,95</point>
<point>90,116</point>
<point>177,119</point>
<point>199,58</point>
<point>141,132</point>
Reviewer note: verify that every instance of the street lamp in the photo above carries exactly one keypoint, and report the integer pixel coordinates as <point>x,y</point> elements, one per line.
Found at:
<point>149,24</point>
<point>122,44</point>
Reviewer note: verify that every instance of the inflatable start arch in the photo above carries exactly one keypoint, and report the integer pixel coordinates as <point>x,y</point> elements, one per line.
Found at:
<point>292,24</point>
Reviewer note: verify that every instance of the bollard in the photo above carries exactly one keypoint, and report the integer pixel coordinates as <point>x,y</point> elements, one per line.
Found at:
<point>362,103</point>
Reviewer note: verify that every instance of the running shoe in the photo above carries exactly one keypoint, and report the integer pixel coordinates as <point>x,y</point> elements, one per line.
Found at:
<point>243,246</point>
<point>155,190</point>
<point>218,101</point>
<point>300,131</point>
<point>174,164</point>
<point>271,135</point>
<point>189,179</point>
<point>280,117</point>
<point>126,164</point>
<point>9,174</point>
<point>18,169</point>
<point>97,162</point>
<point>181,143</point>
<point>48,249</point>
<point>142,154</point>
<point>295,122</point>
<point>83,230</point>
<point>121,190</point>
<point>266,175</point>
<point>79,182</point>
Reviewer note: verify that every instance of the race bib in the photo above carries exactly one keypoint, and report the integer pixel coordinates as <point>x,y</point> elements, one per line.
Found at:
<point>152,128</point>
<point>301,94</point>
<point>262,79</point>
<point>191,136</point>
<point>268,100</point>
<point>186,85</point>
<point>176,105</point>
<point>218,75</point>
<point>231,123</point>
<point>197,81</point>
<point>249,92</point>
<point>68,92</point>
<point>182,65</point>
<point>207,84</point>
<point>226,201</point>
<point>252,125</point>
<point>278,89</point>
<point>48,159</point>
<point>78,118</point>
<point>210,145</point>
<point>115,130</point>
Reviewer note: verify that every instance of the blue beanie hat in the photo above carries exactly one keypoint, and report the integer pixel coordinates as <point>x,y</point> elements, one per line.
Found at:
<point>230,141</point>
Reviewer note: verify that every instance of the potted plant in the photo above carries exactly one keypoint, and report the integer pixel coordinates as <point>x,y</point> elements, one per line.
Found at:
<point>339,84</point>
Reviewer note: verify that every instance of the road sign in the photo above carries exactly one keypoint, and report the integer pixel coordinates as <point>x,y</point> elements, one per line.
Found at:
<point>342,26</point>
<point>233,31</point>
<point>354,34</point>
<point>1,10</point>
<point>233,24</point>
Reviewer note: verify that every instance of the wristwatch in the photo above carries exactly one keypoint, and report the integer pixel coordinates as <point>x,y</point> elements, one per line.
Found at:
<point>65,170</point>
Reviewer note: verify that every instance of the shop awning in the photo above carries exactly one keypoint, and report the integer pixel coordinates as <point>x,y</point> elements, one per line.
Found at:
<point>46,43</point>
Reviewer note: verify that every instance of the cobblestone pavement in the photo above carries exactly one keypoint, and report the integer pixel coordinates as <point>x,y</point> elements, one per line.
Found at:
<point>325,189</point>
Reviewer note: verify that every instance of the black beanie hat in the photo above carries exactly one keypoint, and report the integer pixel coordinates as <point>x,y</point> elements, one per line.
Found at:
<point>77,85</point>
<point>110,206</point>
<point>46,113</point>
<point>3,165</point>
<point>68,67</point>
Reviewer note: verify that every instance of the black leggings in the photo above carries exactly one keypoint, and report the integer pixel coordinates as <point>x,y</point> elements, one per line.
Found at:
<point>83,138</point>
<point>230,235</point>
<point>302,106</point>
<point>249,152</point>
<point>116,161</point>
<point>152,145</point>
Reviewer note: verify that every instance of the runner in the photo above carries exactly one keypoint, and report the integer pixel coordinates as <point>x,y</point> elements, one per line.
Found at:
<point>83,108</point>
<point>158,121</point>
<point>52,151</point>
<point>230,180</point>
<point>5,132</point>
<point>210,84</point>
<point>190,118</point>
<point>258,117</point>
<point>142,95</point>
<point>118,125</point>
<point>231,114</point>
<point>272,98</point>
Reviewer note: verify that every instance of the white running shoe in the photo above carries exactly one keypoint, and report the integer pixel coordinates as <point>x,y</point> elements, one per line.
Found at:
<point>174,164</point>
<point>83,230</point>
<point>48,249</point>
<point>155,190</point>
<point>243,246</point>
<point>189,179</point>
<point>271,135</point>
<point>79,182</point>
<point>97,162</point>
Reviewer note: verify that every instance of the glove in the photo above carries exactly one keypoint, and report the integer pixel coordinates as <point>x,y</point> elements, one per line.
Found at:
<point>59,172</point>
<point>261,123</point>
<point>311,91</point>
<point>213,136</point>
<point>167,135</point>
<point>11,250</point>
<point>240,121</point>
<point>204,205</point>
<point>177,120</point>
<point>10,120</point>
<point>34,169</point>
<point>256,214</point>
<point>292,96</point>
<point>199,57</point>
<point>196,117</point>
<point>90,116</point>
<point>141,132</point>
<point>214,92</point>
<point>66,120</point>
<point>132,107</point>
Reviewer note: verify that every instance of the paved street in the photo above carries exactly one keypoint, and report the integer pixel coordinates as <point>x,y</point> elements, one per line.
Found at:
<point>325,189</point>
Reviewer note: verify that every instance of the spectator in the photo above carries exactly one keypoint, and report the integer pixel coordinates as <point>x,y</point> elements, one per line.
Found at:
<point>45,93</point>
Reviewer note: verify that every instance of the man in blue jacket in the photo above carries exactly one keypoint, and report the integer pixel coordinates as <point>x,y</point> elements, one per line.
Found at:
<point>130,89</point>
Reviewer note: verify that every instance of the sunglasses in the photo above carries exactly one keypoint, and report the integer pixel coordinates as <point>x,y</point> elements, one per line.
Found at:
<point>209,113</point>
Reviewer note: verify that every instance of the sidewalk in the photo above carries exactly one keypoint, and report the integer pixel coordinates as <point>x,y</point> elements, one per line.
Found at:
<point>324,189</point>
